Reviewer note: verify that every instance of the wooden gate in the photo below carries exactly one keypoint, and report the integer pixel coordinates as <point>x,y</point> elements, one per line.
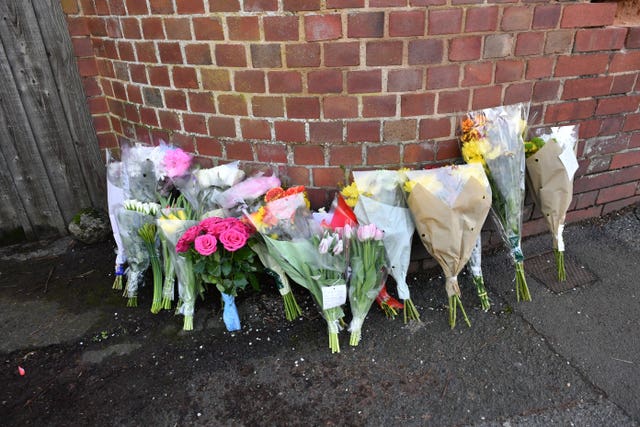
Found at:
<point>50,164</point>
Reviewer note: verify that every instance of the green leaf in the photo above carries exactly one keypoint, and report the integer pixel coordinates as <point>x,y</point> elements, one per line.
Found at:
<point>226,268</point>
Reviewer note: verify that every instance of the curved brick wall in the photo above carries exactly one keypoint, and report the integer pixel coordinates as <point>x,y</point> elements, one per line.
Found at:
<point>319,87</point>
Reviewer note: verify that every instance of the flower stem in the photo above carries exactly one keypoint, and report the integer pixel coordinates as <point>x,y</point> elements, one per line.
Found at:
<point>354,339</point>
<point>291,308</point>
<point>117,283</point>
<point>389,311</point>
<point>132,301</point>
<point>334,344</point>
<point>166,303</point>
<point>410,311</point>
<point>454,304</point>
<point>188,323</point>
<point>482,293</point>
<point>522,290</point>
<point>156,305</point>
<point>562,273</point>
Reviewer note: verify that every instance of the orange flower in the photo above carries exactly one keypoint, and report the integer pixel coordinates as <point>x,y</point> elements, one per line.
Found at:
<point>274,194</point>
<point>295,190</point>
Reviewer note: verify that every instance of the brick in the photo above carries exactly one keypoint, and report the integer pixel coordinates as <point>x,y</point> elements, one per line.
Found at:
<point>340,107</point>
<point>208,146</point>
<point>138,73</point>
<point>419,104</point>
<point>626,61</point>
<point>271,153</point>
<point>631,122</point>
<point>198,54</point>
<point>90,86</point>
<point>249,81</point>
<point>406,80</point>
<point>567,111</point>
<point>280,28</point>
<point>324,81</point>
<point>222,126</point>
<point>616,192</point>
<point>194,123</point>
<point>588,15</point>
<point>465,48</point>
<point>161,7</point>
<point>379,106</point>
<point>308,155</point>
<point>585,200</point>
<point>289,131</point>
<point>113,28</point>
<point>445,21</point>
<point>175,99</point>
<point>267,106</point>
<point>201,102</point>
<point>170,53</point>
<point>619,204</point>
<point>322,27</point>
<point>364,81</point>
<point>384,53</point>
<point>625,159</point>
<point>365,24</point>
<point>107,140</point>
<point>529,43</point>
<point>215,79</point>
<point>481,19</point>
<point>545,90</point>
<point>399,130</point>
<point>302,55</point>
<point>266,55</point>
<point>453,101</point>
<point>152,97</point>
<point>117,7</point>
<point>509,71</point>
<point>406,23</point>
<point>342,54</point>
<point>169,120</point>
<point>189,7</point>
<point>546,16</point>
<point>363,131</point>
<point>611,126</point>
<point>118,90</point>
<point>69,7</point>
<point>232,105</point>
<point>101,124</point>
<point>137,7</point>
<point>325,132</point>
<point>538,68</point>
<point>255,129</point>
<point>78,26</point>
<point>206,28</point>
<point>345,155</point>
<point>617,105</point>
<point>558,42</point>
<point>177,28</point>
<point>435,128</point>
<point>623,83</point>
<point>300,5</point>
<point>297,176</point>
<point>448,150</point>
<point>587,87</point>
<point>477,74</point>
<point>418,153</point>
<point>125,51</point>
<point>130,28</point>
<point>589,129</point>
<point>345,4</point>
<point>387,3</point>
<point>239,150</point>
<point>633,38</point>
<point>383,154</point>
<point>518,92</point>
<point>516,18</point>
<point>497,46</point>
<point>146,52</point>
<point>446,76</point>
<point>260,5</point>
<point>590,40</point>
<point>223,5</point>
<point>185,77</point>
<point>486,97</point>
<point>243,28</point>
<point>284,82</point>
<point>230,55</point>
<point>330,177</point>
<point>98,27</point>
<point>87,67</point>
<point>426,51</point>
<point>575,216</point>
<point>303,107</point>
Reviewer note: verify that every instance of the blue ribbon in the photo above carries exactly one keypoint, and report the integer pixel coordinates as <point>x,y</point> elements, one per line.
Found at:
<point>119,270</point>
<point>230,313</point>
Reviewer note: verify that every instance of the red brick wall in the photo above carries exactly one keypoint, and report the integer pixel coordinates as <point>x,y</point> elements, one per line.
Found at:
<point>321,87</point>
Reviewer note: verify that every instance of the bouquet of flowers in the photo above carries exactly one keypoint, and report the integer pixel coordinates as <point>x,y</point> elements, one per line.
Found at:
<point>449,206</point>
<point>240,196</point>
<point>368,273</point>
<point>312,258</point>
<point>493,137</point>
<point>115,198</point>
<point>148,233</point>
<point>229,266</point>
<point>381,201</point>
<point>475,267</point>
<point>551,165</point>
<point>131,217</point>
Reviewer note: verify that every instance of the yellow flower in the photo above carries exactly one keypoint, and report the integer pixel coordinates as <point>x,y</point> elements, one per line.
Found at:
<point>408,186</point>
<point>350,194</point>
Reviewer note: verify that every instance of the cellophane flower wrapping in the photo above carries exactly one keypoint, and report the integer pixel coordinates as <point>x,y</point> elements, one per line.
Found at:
<point>494,136</point>
<point>550,172</point>
<point>245,194</point>
<point>293,240</point>
<point>115,198</point>
<point>140,165</point>
<point>368,267</point>
<point>168,251</point>
<point>382,202</point>
<point>449,206</point>
<point>475,268</point>
<point>188,287</point>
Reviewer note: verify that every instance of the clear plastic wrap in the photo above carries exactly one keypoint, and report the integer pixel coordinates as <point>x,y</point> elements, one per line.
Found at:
<point>115,198</point>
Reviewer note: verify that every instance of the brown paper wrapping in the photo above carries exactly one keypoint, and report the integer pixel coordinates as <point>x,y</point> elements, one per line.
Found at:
<point>550,186</point>
<point>449,233</point>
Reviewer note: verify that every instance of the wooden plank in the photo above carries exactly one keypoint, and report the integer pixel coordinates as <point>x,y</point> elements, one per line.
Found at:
<point>23,162</point>
<point>39,95</point>
<point>55,35</point>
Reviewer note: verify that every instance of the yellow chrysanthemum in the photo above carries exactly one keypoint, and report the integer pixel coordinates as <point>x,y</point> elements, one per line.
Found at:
<point>350,194</point>
<point>408,186</point>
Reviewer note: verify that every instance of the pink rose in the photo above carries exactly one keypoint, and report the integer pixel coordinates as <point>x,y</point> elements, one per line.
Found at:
<point>206,244</point>
<point>220,226</point>
<point>182,246</point>
<point>187,238</point>
<point>209,223</point>
<point>233,238</point>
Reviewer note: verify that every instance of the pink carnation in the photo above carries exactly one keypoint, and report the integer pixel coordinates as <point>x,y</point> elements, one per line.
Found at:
<point>233,238</point>
<point>176,162</point>
<point>206,244</point>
